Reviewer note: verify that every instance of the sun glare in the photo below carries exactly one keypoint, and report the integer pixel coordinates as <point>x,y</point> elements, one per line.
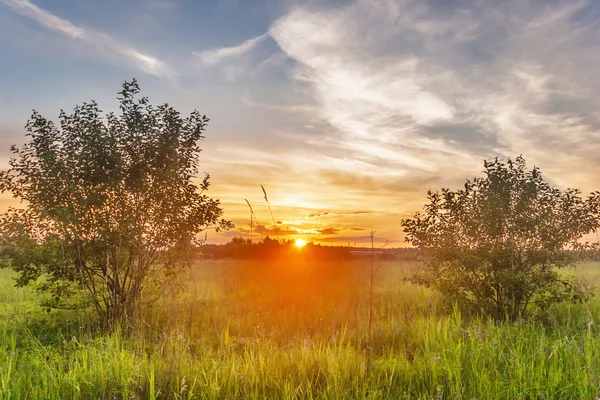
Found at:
<point>300,243</point>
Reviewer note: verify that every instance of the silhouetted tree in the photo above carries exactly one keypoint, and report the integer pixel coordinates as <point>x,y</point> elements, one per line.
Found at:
<point>110,203</point>
<point>496,244</point>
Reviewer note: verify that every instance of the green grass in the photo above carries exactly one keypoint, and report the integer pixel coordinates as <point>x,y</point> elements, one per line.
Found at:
<point>298,331</point>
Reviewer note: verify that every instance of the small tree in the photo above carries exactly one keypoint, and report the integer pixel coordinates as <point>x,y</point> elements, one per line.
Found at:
<point>496,244</point>
<point>110,205</point>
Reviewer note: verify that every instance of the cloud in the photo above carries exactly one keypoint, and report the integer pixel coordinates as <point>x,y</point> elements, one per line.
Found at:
<point>372,183</point>
<point>374,99</point>
<point>328,231</point>
<point>335,213</point>
<point>217,56</point>
<point>279,107</point>
<point>262,230</point>
<point>317,214</point>
<point>429,90</point>
<point>357,90</point>
<point>106,44</point>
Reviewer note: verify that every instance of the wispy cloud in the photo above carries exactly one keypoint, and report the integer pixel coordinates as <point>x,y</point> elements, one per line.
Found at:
<point>415,88</point>
<point>332,213</point>
<point>373,99</point>
<point>106,44</point>
<point>216,56</point>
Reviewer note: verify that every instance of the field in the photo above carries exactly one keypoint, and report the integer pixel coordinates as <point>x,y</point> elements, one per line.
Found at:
<point>298,330</point>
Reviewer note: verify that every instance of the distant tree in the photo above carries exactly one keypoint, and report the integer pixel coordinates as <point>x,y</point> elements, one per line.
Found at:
<point>240,241</point>
<point>110,203</point>
<point>496,245</point>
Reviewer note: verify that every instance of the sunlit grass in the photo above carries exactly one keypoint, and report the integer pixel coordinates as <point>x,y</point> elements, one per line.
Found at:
<point>297,330</point>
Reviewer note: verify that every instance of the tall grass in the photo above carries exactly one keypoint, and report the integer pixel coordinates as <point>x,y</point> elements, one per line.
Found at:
<point>298,331</point>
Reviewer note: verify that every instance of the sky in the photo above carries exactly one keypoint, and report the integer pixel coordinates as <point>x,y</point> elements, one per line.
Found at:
<point>347,112</point>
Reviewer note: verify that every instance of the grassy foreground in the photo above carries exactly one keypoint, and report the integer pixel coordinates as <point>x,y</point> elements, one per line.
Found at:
<point>298,331</point>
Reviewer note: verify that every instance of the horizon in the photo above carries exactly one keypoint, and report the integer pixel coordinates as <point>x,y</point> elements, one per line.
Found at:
<point>346,111</point>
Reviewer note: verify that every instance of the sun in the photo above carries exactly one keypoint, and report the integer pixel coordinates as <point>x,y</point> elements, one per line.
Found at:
<point>300,243</point>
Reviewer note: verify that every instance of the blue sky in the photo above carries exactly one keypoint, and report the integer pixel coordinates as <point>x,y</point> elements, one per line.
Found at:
<point>347,111</point>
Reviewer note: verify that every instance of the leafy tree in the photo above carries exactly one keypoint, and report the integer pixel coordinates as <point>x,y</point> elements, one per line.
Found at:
<point>110,203</point>
<point>496,245</point>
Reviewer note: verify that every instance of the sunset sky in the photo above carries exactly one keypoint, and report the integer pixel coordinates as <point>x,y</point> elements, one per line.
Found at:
<point>346,111</point>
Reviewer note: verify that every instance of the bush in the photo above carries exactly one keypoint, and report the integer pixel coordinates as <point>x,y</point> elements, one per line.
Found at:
<point>111,209</point>
<point>495,246</point>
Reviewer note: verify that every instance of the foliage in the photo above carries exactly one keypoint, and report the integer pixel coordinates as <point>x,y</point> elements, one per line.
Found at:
<point>496,244</point>
<point>111,206</point>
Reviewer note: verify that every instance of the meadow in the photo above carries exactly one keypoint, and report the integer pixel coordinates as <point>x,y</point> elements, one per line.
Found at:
<point>295,329</point>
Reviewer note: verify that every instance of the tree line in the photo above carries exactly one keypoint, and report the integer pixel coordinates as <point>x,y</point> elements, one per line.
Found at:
<point>274,249</point>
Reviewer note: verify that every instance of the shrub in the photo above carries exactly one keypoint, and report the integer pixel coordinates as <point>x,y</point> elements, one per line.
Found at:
<point>495,246</point>
<point>111,208</point>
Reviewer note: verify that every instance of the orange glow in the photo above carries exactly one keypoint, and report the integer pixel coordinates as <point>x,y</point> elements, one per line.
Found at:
<point>300,243</point>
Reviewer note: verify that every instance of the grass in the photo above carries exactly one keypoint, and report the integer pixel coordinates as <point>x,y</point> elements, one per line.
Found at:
<point>298,330</point>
